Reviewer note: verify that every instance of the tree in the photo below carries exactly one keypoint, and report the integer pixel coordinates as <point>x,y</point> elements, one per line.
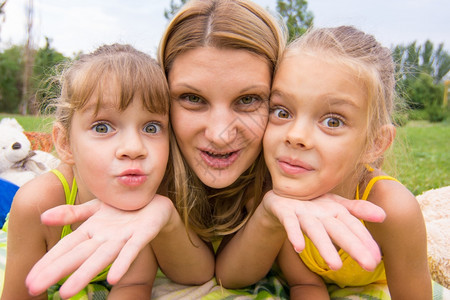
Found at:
<point>11,76</point>
<point>28,62</point>
<point>296,16</point>
<point>2,11</point>
<point>11,69</point>
<point>421,70</point>
<point>174,7</point>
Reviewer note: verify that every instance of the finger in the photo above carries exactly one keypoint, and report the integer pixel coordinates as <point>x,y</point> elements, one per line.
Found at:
<point>61,267</point>
<point>100,258</point>
<point>350,243</point>
<point>64,246</point>
<point>69,214</point>
<point>317,233</point>
<point>363,234</point>
<point>362,209</point>
<point>125,258</point>
<point>294,232</point>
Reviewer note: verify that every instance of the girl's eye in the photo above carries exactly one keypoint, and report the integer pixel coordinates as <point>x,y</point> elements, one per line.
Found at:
<point>102,128</point>
<point>281,113</point>
<point>332,122</point>
<point>152,128</point>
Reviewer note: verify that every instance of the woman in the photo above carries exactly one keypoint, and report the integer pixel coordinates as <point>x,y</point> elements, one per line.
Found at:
<point>219,57</point>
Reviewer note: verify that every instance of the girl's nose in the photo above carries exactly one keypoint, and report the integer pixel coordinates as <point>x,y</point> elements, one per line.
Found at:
<point>131,145</point>
<point>299,135</point>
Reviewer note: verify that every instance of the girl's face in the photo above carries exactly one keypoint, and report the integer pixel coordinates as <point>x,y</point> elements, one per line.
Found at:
<point>219,110</point>
<point>119,157</point>
<point>317,128</point>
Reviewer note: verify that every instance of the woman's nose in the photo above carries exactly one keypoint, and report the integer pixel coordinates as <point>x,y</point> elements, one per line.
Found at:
<point>222,127</point>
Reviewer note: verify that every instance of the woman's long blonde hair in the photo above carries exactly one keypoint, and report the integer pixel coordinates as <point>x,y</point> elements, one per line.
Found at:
<point>224,24</point>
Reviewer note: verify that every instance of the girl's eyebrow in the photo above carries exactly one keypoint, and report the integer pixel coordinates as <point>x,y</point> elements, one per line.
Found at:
<point>336,100</point>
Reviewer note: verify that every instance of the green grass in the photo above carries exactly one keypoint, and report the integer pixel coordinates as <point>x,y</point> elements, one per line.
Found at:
<point>420,157</point>
<point>31,123</point>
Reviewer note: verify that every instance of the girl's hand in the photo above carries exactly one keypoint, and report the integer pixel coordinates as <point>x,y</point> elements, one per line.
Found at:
<point>108,234</point>
<point>327,218</point>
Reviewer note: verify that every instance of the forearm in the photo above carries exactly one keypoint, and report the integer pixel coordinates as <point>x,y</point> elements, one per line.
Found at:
<point>185,259</point>
<point>250,254</point>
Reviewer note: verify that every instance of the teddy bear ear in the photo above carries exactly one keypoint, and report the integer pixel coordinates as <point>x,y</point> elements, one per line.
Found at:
<point>62,145</point>
<point>11,123</point>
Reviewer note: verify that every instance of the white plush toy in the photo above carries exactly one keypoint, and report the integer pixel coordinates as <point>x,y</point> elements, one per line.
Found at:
<point>18,163</point>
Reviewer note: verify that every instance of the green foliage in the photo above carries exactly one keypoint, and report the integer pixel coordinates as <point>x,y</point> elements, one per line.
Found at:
<point>423,92</point>
<point>421,70</point>
<point>296,16</point>
<point>11,69</point>
<point>436,113</point>
<point>11,75</point>
<point>417,115</point>
<point>174,7</point>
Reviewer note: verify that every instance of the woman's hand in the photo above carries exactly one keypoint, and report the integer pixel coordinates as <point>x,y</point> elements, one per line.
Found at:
<point>108,234</point>
<point>327,218</point>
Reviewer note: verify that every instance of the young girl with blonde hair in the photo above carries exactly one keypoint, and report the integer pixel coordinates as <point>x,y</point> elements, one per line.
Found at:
<point>112,135</point>
<point>330,124</point>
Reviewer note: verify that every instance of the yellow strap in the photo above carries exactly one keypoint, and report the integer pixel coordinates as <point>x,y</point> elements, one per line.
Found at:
<point>70,196</point>
<point>63,180</point>
<point>370,185</point>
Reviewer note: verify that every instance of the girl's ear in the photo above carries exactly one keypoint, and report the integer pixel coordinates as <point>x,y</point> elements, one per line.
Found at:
<point>382,142</point>
<point>62,145</point>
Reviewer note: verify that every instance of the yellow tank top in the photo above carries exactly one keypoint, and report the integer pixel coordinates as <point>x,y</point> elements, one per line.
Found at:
<point>351,273</point>
<point>70,199</point>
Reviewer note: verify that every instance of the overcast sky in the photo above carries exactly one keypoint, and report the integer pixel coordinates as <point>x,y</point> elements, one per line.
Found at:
<point>83,25</point>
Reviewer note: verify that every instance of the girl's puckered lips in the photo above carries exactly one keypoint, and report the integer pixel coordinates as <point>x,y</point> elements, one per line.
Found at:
<point>132,177</point>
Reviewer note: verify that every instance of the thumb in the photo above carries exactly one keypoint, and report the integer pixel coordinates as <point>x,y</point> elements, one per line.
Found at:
<point>69,214</point>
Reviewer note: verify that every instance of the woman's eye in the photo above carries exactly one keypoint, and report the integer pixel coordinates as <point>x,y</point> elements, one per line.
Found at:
<point>152,128</point>
<point>332,122</point>
<point>281,113</point>
<point>248,100</point>
<point>102,128</point>
<point>193,98</point>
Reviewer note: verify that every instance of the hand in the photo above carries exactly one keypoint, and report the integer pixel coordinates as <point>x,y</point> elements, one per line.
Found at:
<point>327,218</point>
<point>108,234</point>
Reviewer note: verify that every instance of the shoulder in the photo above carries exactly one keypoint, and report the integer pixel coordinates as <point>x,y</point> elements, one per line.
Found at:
<point>38,195</point>
<point>396,200</point>
<point>403,214</point>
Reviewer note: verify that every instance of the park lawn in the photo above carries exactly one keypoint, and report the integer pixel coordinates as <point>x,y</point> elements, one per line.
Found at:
<point>31,123</point>
<point>419,158</point>
<point>421,154</point>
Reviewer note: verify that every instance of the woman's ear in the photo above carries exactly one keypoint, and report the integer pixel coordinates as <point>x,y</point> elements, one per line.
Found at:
<point>62,145</point>
<point>383,141</point>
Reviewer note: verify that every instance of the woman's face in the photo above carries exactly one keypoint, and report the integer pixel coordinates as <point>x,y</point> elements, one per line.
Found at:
<point>219,110</point>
